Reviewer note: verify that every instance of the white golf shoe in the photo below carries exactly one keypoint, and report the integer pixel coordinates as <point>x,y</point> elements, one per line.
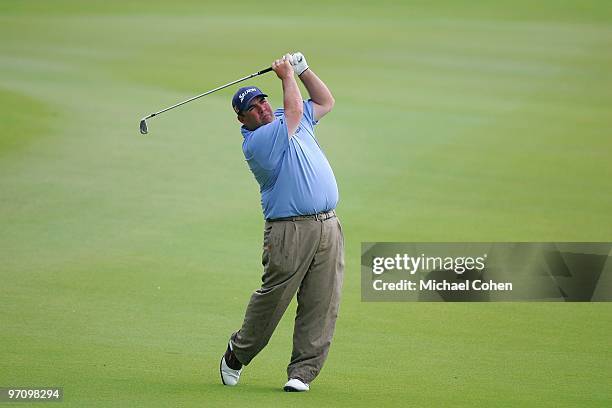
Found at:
<point>229,376</point>
<point>296,385</point>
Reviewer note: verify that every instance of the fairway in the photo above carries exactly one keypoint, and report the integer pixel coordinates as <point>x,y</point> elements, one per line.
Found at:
<point>127,260</point>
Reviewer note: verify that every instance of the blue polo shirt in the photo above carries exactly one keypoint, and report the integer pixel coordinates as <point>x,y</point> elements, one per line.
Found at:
<point>294,175</point>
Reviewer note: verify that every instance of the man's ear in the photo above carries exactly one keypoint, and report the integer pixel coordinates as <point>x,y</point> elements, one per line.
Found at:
<point>240,118</point>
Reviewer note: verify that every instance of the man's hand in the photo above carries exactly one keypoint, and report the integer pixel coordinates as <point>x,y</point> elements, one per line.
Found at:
<point>282,67</point>
<point>298,62</point>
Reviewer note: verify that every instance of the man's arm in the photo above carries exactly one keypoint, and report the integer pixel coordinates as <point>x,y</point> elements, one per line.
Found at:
<point>292,98</point>
<point>322,98</point>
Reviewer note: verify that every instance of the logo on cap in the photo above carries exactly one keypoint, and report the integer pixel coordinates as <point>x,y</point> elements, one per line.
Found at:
<point>245,93</point>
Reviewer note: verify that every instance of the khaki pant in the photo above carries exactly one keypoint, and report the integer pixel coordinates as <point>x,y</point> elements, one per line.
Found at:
<point>304,256</point>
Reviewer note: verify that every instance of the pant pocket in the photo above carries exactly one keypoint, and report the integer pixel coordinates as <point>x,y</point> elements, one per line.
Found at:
<point>267,244</point>
<point>279,254</point>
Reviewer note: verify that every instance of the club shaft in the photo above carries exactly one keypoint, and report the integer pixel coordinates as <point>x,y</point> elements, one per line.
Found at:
<point>211,91</point>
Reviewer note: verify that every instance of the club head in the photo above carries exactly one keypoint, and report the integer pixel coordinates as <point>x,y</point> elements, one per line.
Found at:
<point>143,127</point>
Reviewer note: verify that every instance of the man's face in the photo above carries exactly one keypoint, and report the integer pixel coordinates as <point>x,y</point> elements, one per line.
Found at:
<point>258,113</point>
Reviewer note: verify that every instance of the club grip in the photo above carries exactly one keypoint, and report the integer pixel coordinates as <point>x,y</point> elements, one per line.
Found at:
<point>263,71</point>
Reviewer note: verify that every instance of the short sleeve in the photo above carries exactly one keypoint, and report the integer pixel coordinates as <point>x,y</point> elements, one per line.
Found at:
<point>267,144</point>
<point>309,112</point>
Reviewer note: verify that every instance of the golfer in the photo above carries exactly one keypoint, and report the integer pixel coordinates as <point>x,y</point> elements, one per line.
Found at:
<point>303,245</point>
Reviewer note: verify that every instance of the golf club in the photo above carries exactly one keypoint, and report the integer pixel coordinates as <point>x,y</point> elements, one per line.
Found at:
<point>143,122</point>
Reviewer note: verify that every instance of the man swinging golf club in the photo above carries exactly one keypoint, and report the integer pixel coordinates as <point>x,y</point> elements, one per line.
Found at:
<point>303,245</point>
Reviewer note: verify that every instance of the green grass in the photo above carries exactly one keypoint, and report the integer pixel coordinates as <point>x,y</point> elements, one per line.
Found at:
<point>127,260</point>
